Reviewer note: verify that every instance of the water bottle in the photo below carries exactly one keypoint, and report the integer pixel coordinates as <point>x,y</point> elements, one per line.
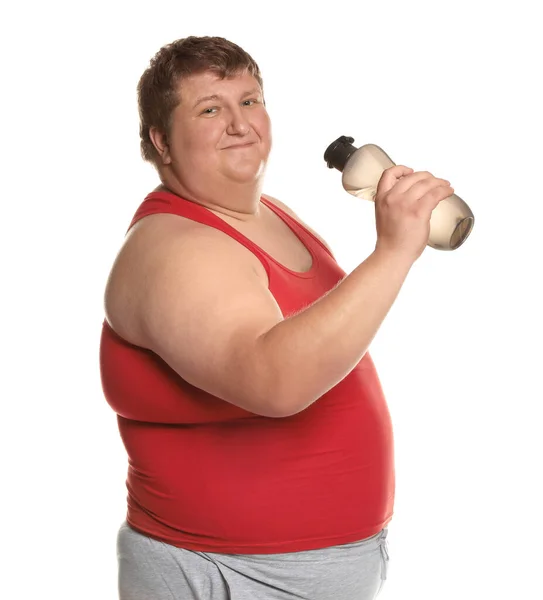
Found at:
<point>451,221</point>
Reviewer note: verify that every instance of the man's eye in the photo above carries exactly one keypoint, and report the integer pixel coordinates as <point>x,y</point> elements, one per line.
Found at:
<point>208,111</point>
<point>249,102</point>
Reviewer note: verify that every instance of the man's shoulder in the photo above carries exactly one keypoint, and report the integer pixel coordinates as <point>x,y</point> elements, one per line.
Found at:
<point>155,248</point>
<point>281,205</point>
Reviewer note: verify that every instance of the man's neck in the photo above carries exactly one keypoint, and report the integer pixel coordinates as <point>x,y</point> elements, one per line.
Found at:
<point>241,202</point>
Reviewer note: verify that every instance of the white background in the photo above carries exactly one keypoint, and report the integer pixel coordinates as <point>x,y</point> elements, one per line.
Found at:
<point>453,88</point>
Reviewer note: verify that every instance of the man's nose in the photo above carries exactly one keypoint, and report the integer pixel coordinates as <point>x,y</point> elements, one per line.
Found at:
<point>239,124</point>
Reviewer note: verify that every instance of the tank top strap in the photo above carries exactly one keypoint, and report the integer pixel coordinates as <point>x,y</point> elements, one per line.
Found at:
<point>302,231</point>
<point>167,202</point>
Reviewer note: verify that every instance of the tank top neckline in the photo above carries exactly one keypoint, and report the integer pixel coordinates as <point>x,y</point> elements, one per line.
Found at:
<point>291,223</point>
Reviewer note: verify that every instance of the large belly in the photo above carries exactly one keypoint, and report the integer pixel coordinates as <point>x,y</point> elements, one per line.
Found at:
<point>323,472</point>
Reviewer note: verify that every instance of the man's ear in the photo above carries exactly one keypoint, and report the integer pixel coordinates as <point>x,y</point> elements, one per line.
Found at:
<point>160,142</point>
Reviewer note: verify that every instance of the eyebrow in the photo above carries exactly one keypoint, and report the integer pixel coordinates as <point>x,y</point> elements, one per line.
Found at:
<point>218,97</point>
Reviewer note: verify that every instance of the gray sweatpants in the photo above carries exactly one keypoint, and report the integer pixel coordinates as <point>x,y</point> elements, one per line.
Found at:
<point>153,570</point>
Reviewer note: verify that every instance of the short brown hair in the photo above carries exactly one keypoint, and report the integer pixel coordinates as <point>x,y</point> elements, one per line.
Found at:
<point>158,86</point>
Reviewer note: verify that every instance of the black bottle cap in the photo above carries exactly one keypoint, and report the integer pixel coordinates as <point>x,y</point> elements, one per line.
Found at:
<point>338,153</point>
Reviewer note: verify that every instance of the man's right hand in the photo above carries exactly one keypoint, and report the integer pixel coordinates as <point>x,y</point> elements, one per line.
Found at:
<point>403,206</point>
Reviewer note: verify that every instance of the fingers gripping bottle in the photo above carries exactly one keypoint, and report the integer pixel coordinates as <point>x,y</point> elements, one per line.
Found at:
<point>451,221</point>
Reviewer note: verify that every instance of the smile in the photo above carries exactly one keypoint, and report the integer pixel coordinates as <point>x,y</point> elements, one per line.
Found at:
<point>240,146</point>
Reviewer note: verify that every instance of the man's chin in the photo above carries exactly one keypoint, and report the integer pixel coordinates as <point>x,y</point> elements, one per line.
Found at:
<point>246,173</point>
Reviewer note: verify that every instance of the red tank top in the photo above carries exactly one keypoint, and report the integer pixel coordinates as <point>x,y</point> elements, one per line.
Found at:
<point>206,475</point>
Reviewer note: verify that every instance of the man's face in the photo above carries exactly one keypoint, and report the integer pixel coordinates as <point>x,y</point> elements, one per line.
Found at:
<point>220,130</point>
